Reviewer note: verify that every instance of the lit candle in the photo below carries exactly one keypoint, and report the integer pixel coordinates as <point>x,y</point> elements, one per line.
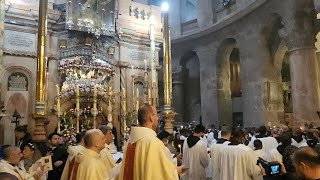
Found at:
<point>124,106</point>
<point>145,65</point>
<point>94,106</point>
<point>149,97</point>
<point>58,90</point>
<point>77,108</point>
<point>95,91</point>
<point>137,99</point>
<point>58,107</point>
<point>94,99</point>
<point>180,148</point>
<point>58,101</point>
<point>78,99</point>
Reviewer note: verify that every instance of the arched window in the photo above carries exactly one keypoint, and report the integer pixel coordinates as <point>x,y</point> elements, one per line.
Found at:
<point>188,10</point>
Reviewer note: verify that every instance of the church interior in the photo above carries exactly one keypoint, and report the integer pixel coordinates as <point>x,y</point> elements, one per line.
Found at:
<point>72,65</point>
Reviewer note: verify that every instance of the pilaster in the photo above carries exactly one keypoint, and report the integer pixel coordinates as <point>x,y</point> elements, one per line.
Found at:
<point>178,94</point>
<point>175,19</point>
<point>205,13</point>
<point>208,86</point>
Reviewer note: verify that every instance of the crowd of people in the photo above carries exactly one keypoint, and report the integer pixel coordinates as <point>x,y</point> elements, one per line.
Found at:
<point>192,153</point>
<point>250,153</point>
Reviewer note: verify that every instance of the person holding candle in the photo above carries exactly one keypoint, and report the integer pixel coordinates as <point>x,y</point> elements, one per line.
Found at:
<point>172,154</point>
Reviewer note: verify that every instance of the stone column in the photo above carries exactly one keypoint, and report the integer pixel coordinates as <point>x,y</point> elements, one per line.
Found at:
<point>204,13</point>
<point>224,102</point>
<point>175,19</point>
<point>260,82</point>
<point>303,66</point>
<point>208,87</point>
<point>2,12</point>
<point>178,95</point>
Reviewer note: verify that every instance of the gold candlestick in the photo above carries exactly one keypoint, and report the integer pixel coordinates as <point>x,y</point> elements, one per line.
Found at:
<point>110,112</point>
<point>167,75</point>
<point>40,116</point>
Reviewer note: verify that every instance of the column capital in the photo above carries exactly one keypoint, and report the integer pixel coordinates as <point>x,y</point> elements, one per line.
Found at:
<point>204,51</point>
<point>177,76</point>
<point>299,30</point>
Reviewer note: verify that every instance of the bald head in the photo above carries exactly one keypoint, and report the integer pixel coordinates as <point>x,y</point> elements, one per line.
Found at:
<point>92,138</point>
<point>144,114</point>
<point>147,117</point>
<point>307,155</point>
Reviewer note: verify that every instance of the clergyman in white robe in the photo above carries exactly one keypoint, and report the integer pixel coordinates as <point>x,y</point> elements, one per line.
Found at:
<point>238,162</point>
<point>215,153</point>
<point>195,156</point>
<point>145,157</point>
<point>72,151</point>
<point>268,144</point>
<point>14,170</point>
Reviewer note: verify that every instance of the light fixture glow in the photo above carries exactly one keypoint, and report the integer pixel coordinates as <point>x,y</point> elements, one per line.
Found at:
<point>165,6</point>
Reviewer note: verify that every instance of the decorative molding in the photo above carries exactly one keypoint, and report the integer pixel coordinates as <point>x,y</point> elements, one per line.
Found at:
<point>17,82</point>
<point>85,51</point>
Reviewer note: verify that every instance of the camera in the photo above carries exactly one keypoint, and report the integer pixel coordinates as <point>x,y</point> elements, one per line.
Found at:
<point>271,168</point>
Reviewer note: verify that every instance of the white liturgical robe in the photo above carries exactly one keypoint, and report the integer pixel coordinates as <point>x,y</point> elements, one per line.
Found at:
<point>268,143</point>
<point>72,151</point>
<point>107,157</point>
<point>14,170</point>
<point>303,143</point>
<point>75,150</point>
<point>215,153</point>
<point>145,158</point>
<point>91,166</point>
<point>238,162</point>
<point>195,157</point>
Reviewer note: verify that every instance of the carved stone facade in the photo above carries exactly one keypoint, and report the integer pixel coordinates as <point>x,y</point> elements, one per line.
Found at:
<point>17,82</point>
<point>125,48</point>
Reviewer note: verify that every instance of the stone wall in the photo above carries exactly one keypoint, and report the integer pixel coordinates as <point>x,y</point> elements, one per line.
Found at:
<point>252,27</point>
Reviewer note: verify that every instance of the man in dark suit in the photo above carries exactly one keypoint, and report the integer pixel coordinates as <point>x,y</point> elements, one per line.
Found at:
<point>58,154</point>
<point>22,136</point>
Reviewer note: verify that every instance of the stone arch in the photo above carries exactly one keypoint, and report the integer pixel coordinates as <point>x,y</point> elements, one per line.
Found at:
<point>223,80</point>
<point>17,101</point>
<point>28,95</point>
<point>190,69</point>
